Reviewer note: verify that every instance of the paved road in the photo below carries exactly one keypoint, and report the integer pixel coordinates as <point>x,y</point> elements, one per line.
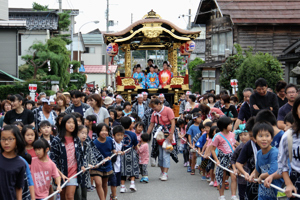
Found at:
<point>180,185</point>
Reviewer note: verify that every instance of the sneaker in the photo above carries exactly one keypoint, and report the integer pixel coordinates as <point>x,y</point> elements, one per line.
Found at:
<point>132,187</point>
<point>203,178</point>
<point>164,177</point>
<point>211,183</point>
<point>234,198</point>
<point>189,169</point>
<point>188,163</point>
<point>153,163</point>
<point>146,180</point>
<point>161,174</point>
<point>142,179</point>
<point>221,198</point>
<point>215,184</point>
<point>185,164</point>
<point>208,179</point>
<point>90,189</point>
<point>123,190</point>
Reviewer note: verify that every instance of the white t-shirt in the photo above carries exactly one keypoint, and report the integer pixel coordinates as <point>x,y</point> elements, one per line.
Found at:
<point>117,165</point>
<point>101,115</point>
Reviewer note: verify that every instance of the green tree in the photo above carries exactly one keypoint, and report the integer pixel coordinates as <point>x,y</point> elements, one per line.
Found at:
<point>257,66</point>
<point>180,64</point>
<point>196,74</point>
<point>39,7</point>
<point>81,78</point>
<point>229,68</point>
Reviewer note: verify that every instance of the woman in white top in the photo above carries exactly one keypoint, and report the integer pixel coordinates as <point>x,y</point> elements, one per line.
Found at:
<point>101,113</point>
<point>191,104</point>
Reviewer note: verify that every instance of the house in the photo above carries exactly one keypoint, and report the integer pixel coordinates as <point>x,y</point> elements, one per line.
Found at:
<point>267,26</point>
<point>96,74</point>
<point>291,57</point>
<point>4,10</point>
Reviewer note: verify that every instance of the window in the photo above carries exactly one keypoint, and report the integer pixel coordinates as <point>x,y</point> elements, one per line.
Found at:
<point>89,50</point>
<point>220,42</point>
<point>293,80</point>
<point>103,60</point>
<point>208,73</point>
<point>208,85</point>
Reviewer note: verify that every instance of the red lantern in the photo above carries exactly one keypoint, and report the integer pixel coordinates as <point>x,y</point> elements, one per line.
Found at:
<point>190,46</point>
<point>183,52</point>
<point>112,49</point>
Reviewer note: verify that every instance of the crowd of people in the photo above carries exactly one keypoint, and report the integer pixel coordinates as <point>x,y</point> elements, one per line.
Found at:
<point>46,142</point>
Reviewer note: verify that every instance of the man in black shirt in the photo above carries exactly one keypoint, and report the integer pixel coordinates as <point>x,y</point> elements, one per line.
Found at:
<point>262,99</point>
<point>18,113</point>
<point>281,96</point>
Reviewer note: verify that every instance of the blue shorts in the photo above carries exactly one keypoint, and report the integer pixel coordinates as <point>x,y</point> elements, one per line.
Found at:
<point>115,179</point>
<point>73,182</point>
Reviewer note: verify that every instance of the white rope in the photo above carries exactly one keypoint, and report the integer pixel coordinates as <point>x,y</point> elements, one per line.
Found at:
<point>65,183</point>
<point>272,185</point>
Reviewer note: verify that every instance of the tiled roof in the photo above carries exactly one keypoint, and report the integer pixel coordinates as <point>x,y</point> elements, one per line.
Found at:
<point>99,69</point>
<point>35,20</point>
<point>255,11</point>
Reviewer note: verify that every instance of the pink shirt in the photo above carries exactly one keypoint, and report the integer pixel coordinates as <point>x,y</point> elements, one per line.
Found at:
<point>209,142</point>
<point>166,116</point>
<point>138,137</point>
<point>72,162</point>
<point>91,134</point>
<point>217,111</point>
<point>143,154</point>
<point>31,152</point>
<point>222,144</point>
<point>42,172</point>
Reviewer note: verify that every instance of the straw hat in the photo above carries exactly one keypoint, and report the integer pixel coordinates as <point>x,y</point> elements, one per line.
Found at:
<point>108,101</point>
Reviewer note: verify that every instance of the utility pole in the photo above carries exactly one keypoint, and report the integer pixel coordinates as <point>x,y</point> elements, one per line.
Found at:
<point>188,60</point>
<point>107,29</point>
<point>72,33</point>
<point>60,6</point>
<point>131,18</point>
<point>190,15</point>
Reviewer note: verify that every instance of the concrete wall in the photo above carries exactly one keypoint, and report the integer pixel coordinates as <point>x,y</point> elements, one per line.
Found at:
<point>8,51</point>
<point>100,79</point>
<point>28,39</point>
<point>4,10</point>
<point>94,58</point>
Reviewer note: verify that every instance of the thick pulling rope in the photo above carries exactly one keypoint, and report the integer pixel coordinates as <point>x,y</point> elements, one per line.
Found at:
<point>65,183</point>
<point>272,185</point>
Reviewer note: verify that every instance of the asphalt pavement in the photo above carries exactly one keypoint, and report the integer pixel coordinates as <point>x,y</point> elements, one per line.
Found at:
<point>180,185</point>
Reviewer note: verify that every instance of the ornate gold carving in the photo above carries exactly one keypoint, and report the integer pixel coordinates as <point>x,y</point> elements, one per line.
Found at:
<point>172,30</point>
<point>152,14</point>
<point>129,96</point>
<point>151,40</point>
<point>192,36</point>
<point>168,44</point>
<point>174,57</point>
<point>176,96</point>
<point>134,45</point>
<point>112,39</point>
<point>131,31</point>
<point>128,82</point>
<point>126,48</point>
<point>177,81</point>
<point>152,33</point>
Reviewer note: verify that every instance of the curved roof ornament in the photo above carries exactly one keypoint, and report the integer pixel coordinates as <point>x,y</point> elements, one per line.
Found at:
<point>152,14</point>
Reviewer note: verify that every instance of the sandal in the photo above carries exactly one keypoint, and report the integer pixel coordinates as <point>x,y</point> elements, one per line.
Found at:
<point>193,172</point>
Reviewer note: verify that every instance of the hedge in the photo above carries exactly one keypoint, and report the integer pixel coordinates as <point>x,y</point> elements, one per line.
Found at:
<point>18,88</point>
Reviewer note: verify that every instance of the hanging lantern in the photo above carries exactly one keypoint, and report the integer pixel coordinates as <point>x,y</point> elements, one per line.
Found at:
<point>112,49</point>
<point>190,46</point>
<point>183,52</point>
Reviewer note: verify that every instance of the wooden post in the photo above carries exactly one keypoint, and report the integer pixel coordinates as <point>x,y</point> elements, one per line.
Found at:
<point>126,48</point>
<point>129,95</point>
<point>174,58</point>
<point>170,56</point>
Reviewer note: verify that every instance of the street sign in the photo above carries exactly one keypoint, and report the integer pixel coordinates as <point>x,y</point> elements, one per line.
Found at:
<point>32,87</point>
<point>234,83</point>
<point>108,71</point>
<point>81,69</point>
<point>54,82</point>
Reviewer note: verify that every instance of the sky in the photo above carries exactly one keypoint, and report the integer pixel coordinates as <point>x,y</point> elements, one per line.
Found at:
<point>119,10</point>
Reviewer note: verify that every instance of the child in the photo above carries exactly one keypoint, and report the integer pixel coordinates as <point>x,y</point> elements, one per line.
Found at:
<point>113,115</point>
<point>131,128</point>
<point>30,136</point>
<point>90,122</point>
<point>106,147</point>
<point>244,137</point>
<point>152,79</point>
<point>45,130</point>
<point>20,125</point>
<point>200,144</point>
<point>143,152</point>
<point>43,169</point>
<point>59,118</point>
<point>248,156</point>
<point>66,153</point>
<point>135,117</point>
<point>266,160</point>
<point>53,130</point>
<point>139,76</point>
<point>139,127</point>
<point>288,121</point>
<point>12,167</point>
<point>181,124</point>
<point>192,132</point>
<point>224,141</point>
<point>129,165</point>
<point>119,113</point>
<point>115,180</point>
<point>126,108</point>
<point>86,150</point>
<point>78,117</point>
